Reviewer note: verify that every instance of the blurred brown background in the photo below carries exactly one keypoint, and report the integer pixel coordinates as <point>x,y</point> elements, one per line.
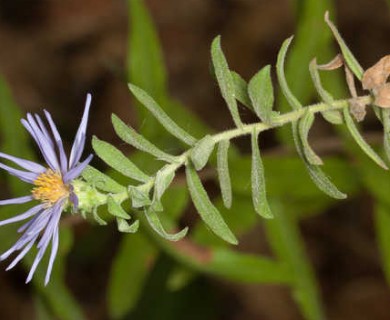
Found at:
<point>54,52</point>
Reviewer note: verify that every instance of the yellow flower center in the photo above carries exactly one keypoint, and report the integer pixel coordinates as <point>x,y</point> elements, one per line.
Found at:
<point>49,188</point>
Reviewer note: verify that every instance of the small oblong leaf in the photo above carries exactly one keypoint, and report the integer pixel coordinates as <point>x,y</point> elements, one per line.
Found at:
<point>201,152</point>
<point>319,178</point>
<point>116,209</point>
<point>333,116</point>
<point>139,197</point>
<point>261,93</point>
<point>225,79</point>
<point>259,196</point>
<point>349,58</point>
<point>360,140</point>
<point>129,135</point>
<point>148,102</point>
<point>101,181</point>
<point>386,131</point>
<point>117,160</point>
<point>156,225</point>
<point>241,90</point>
<point>207,211</point>
<point>223,172</point>
<point>304,125</point>
<point>164,178</point>
<point>291,99</point>
<point>124,227</point>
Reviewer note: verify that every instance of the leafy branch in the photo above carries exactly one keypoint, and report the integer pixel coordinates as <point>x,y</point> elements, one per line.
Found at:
<point>258,95</point>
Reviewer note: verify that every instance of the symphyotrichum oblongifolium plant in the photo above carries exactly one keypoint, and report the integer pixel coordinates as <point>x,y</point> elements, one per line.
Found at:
<point>146,191</point>
<point>132,196</point>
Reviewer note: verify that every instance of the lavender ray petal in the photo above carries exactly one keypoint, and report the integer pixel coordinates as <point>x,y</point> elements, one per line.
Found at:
<point>52,224</point>
<point>60,146</point>
<point>44,130</point>
<point>45,144</point>
<point>22,175</point>
<point>76,171</point>
<point>27,225</point>
<point>39,224</point>
<point>22,254</point>
<point>78,152</point>
<point>20,243</point>
<point>22,216</point>
<point>37,140</point>
<point>79,140</point>
<point>16,200</point>
<point>25,164</point>
<point>37,259</point>
<point>53,254</point>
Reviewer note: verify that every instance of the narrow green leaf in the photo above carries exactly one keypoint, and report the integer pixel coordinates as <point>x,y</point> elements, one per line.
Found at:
<point>316,174</point>
<point>201,152</point>
<point>124,227</point>
<point>223,172</point>
<point>130,136</point>
<point>156,225</point>
<point>247,268</point>
<point>117,160</point>
<point>164,178</point>
<point>304,125</point>
<point>360,140</point>
<point>241,90</point>
<point>207,211</point>
<point>259,195</point>
<point>130,268</point>
<point>333,116</point>
<point>148,102</point>
<point>225,79</point>
<point>291,99</point>
<point>116,209</point>
<point>101,181</point>
<point>261,93</point>
<point>386,131</point>
<point>139,197</point>
<point>382,226</point>
<point>349,58</point>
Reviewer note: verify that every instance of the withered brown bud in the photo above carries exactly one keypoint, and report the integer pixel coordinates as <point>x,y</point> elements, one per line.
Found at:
<point>377,75</point>
<point>382,96</point>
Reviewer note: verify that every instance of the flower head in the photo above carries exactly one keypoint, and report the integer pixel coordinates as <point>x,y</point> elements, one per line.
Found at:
<point>52,188</point>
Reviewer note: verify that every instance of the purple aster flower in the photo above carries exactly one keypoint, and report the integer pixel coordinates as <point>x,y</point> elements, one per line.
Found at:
<point>52,187</point>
